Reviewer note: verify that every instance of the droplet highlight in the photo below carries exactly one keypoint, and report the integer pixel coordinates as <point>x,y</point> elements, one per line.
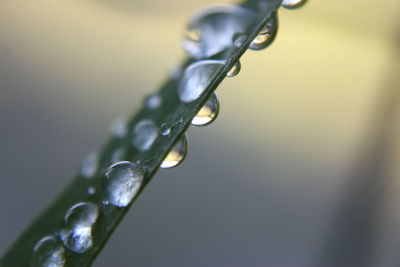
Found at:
<point>122,182</point>
<point>90,165</point>
<point>208,113</point>
<point>177,154</point>
<point>292,4</point>
<point>267,35</point>
<point>153,102</point>
<point>48,252</point>
<point>197,78</point>
<point>234,70</point>
<point>77,233</point>
<point>145,133</point>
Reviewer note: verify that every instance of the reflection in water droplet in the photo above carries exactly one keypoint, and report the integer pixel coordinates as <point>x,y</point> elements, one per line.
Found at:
<point>119,127</point>
<point>234,70</point>
<point>144,134</point>
<point>122,182</point>
<point>177,154</point>
<point>197,78</point>
<point>48,252</point>
<point>153,101</point>
<point>211,31</point>
<point>165,129</point>
<point>208,113</point>
<point>89,165</point>
<point>291,4</point>
<point>79,220</point>
<point>91,190</point>
<point>267,35</point>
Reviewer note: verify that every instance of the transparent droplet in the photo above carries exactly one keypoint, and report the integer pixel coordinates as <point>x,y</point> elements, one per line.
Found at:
<point>208,113</point>
<point>267,35</point>
<point>90,165</point>
<point>119,127</point>
<point>91,190</point>
<point>211,31</point>
<point>144,134</point>
<point>292,4</point>
<point>239,39</point>
<point>118,155</point>
<point>177,154</point>
<point>77,233</point>
<point>122,182</point>
<point>153,101</point>
<point>197,78</point>
<point>234,70</point>
<point>48,252</point>
<point>165,130</point>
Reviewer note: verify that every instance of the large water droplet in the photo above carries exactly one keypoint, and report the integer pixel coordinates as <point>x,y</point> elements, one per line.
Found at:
<point>211,31</point>
<point>122,182</point>
<point>153,101</point>
<point>177,153</point>
<point>79,220</point>
<point>234,70</point>
<point>48,252</point>
<point>144,134</point>
<point>267,35</point>
<point>197,78</point>
<point>292,4</point>
<point>90,165</point>
<point>119,127</point>
<point>208,112</point>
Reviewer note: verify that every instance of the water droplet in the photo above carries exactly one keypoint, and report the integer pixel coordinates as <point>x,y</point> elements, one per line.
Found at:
<point>267,35</point>
<point>48,252</point>
<point>234,70</point>
<point>177,153</point>
<point>118,155</point>
<point>144,134</point>
<point>239,39</point>
<point>91,190</point>
<point>165,129</point>
<point>292,4</point>
<point>79,220</point>
<point>208,112</point>
<point>211,31</point>
<point>90,165</point>
<point>119,127</point>
<point>122,182</point>
<point>153,101</point>
<point>197,78</point>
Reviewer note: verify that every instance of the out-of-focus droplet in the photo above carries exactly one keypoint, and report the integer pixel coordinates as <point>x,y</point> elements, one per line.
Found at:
<point>91,190</point>
<point>208,113</point>
<point>234,70</point>
<point>145,133</point>
<point>90,165</point>
<point>267,35</point>
<point>177,153</point>
<point>48,252</point>
<point>117,155</point>
<point>211,31</point>
<point>197,78</point>
<point>79,220</point>
<point>122,182</point>
<point>292,4</point>
<point>239,39</point>
<point>153,101</point>
<point>119,127</point>
<point>165,129</point>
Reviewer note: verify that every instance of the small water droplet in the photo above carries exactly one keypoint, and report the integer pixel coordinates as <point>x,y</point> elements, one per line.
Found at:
<point>144,134</point>
<point>292,4</point>
<point>122,182</point>
<point>208,112</point>
<point>90,165</point>
<point>118,155</point>
<point>48,252</point>
<point>105,202</point>
<point>239,39</point>
<point>79,220</point>
<point>234,70</point>
<point>153,101</point>
<point>119,127</point>
<point>177,153</point>
<point>165,130</point>
<point>211,31</point>
<point>91,190</point>
<point>267,35</point>
<point>197,78</point>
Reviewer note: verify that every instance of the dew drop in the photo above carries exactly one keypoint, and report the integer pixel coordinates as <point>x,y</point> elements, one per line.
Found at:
<point>234,70</point>
<point>90,165</point>
<point>153,101</point>
<point>48,252</point>
<point>208,113</point>
<point>239,39</point>
<point>119,127</point>
<point>177,153</point>
<point>197,78</point>
<point>118,155</point>
<point>79,220</point>
<point>144,134</point>
<point>211,31</point>
<point>267,35</point>
<point>292,4</point>
<point>122,182</point>
<point>165,130</point>
<point>91,190</point>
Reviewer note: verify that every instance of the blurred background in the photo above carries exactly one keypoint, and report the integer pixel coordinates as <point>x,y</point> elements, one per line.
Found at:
<point>300,169</point>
